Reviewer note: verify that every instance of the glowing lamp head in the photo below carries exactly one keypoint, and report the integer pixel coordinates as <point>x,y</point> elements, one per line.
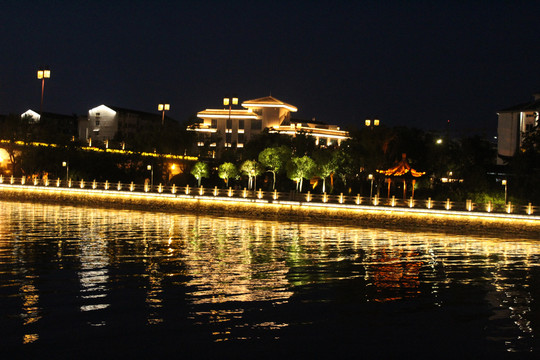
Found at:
<point>376,122</point>
<point>149,167</point>
<point>439,141</point>
<point>235,101</point>
<point>504,182</point>
<point>370,177</point>
<point>368,122</point>
<point>226,101</point>
<point>43,74</point>
<point>64,164</point>
<point>164,107</point>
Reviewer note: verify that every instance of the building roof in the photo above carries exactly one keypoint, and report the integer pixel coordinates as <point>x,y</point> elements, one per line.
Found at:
<point>156,116</point>
<point>47,115</point>
<point>225,114</point>
<point>533,105</point>
<point>401,169</point>
<point>268,101</point>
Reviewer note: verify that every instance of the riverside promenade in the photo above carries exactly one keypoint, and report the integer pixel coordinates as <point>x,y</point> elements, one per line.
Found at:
<point>410,214</point>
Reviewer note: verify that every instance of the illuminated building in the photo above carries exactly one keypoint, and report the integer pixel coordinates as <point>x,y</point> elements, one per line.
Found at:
<point>514,123</point>
<point>50,124</point>
<point>106,122</point>
<point>234,127</point>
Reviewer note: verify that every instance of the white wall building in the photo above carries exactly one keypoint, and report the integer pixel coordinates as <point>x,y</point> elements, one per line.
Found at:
<point>513,123</point>
<point>235,127</point>
<point>106,122</point>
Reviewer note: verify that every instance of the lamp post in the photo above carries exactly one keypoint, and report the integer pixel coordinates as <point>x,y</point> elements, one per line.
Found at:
<point>229,101</point>
<point>151,169</point>
<point>505,183</point>
<point>369,123</point>
<point>163,108</point>
<point>370,177</point>
<point>66,165</point>
<point>254,180</point>
<point>43,74</point>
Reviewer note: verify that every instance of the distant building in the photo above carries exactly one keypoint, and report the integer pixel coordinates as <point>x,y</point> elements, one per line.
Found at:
<point>224,128</point>
<point>514,122</point>
<point>50,126</point>
<point>111,122</point>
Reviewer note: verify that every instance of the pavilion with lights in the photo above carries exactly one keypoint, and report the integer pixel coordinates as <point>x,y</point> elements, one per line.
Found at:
<point>401,171</point>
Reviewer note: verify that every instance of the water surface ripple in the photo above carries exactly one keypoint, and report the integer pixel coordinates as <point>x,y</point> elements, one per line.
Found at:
<point>77,279</point>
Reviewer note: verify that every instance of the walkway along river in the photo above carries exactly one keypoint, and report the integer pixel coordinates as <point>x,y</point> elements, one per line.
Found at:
<point>271,205</point>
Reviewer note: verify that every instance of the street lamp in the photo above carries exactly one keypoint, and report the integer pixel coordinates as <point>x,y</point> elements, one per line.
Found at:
<point>43,74</point>
<point>66,165</point>
<point>229,101</point>
<point>163,108</point>
<point>505,183</point>
<point>370,177</point>
<point>151,169</point>
<point>369,123</point>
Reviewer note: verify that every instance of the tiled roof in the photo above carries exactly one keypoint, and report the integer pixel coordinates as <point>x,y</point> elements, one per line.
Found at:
<point>268,101</point>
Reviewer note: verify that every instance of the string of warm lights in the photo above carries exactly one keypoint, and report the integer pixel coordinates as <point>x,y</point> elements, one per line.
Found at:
<point>242,197</point>
<point>107,150</point>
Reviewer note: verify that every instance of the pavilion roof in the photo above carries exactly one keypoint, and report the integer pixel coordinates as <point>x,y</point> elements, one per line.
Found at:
<point>401,169</point>
<point>268,101</point>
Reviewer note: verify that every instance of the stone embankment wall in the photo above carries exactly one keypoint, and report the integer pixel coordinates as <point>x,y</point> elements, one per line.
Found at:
<point>364,217</point>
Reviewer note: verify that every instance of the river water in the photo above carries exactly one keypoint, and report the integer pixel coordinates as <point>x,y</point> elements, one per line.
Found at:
<point>84,282</point>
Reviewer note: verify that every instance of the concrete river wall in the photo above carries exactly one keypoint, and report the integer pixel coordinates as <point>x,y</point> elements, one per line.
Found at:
<point>408,219</point>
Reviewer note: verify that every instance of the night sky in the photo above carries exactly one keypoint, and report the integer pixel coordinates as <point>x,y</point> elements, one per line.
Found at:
<point>412,63</point>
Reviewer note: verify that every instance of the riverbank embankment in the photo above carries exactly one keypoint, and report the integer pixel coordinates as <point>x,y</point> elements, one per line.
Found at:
<point>496,224</point>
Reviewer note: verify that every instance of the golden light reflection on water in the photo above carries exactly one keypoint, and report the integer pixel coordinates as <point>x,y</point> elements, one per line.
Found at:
<point>226,260</point>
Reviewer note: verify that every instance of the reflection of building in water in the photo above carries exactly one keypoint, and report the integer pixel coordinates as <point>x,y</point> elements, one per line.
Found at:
<point>394,274</point>
<point>93,273</point>
<point>230,260</point>
<point>220,260</point>
<point>31,311</point>
<point>511,300</point>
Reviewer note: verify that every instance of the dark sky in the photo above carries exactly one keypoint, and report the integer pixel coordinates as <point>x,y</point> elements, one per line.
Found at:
<point>412,63</point>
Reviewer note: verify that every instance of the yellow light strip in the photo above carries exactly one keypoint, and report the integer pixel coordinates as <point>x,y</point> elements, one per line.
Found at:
<point>117,151</point>
<point>211,198</point>
<point>310,132</point>
<point>233,116</point>
<point>290,108</point>
<point>203,130</point>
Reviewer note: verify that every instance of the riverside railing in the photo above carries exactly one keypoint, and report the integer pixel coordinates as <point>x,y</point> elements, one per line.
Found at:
<point>271,196</point>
